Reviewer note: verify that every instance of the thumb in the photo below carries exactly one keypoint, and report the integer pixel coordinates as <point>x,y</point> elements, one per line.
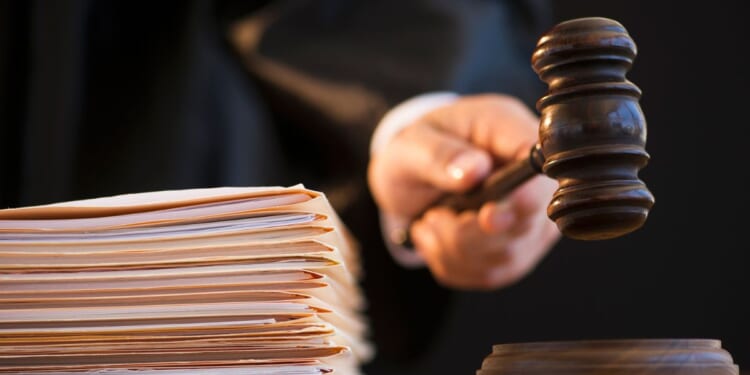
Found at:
<point>439,159</point>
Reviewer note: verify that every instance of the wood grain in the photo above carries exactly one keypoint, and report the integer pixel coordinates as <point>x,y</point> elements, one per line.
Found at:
<point>611,357</point>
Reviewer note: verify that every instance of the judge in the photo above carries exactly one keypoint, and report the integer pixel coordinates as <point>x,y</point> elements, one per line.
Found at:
<point>382,105</point>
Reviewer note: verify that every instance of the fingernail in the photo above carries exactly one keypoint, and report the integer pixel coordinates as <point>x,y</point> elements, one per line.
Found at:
<point>469,163</point>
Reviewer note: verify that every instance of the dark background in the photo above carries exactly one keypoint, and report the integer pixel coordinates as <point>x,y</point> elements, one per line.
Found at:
<point>685,273</point>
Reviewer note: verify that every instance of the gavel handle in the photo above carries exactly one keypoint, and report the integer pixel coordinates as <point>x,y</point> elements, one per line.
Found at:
<point>493,188</point>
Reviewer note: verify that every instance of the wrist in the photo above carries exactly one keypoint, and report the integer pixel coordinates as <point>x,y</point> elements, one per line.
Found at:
<point>394,227</point>
<point>405,114</point>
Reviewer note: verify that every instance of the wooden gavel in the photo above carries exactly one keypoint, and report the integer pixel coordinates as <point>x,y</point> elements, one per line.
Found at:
<point>592,135</point>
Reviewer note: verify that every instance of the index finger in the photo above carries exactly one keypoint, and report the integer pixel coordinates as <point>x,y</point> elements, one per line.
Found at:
<point>500,124</point>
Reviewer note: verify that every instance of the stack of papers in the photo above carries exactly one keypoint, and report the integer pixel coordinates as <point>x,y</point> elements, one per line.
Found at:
<point>206,281</point>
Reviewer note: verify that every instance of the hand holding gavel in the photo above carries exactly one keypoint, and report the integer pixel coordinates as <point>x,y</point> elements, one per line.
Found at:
<point>592,136</point>
<point>591,139</point>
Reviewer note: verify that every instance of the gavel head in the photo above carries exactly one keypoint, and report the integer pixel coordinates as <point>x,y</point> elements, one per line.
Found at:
<point>593,132</point>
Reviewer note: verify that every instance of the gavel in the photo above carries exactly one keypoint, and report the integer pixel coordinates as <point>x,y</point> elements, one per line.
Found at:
<point>592,135</point>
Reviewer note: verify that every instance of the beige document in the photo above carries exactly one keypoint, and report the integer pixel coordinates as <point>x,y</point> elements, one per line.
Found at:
<point>207,281</point>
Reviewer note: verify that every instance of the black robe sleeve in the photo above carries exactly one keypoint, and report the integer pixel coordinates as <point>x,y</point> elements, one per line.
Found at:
<point>112,97</point>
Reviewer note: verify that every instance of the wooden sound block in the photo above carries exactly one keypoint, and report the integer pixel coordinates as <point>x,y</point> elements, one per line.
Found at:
<point>611,357</point>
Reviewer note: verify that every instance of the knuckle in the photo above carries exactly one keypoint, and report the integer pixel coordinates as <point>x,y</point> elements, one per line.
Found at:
<point>521,227</point>
<point>490,97</point>
<point>412,131</point>
<point>501,101</point>
<point>435,215</point>
<point>512,103</point>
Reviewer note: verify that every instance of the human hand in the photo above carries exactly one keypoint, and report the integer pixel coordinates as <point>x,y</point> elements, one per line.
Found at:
<point>451,149</point>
